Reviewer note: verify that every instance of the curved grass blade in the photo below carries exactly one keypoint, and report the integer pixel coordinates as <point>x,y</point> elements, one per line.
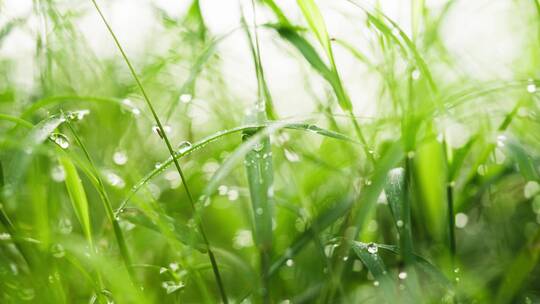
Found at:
<point>54,100</point>
<point>37,135</point>
<point>16,120</point>
<point>211,138</point>
<point>94,176</point>
<point>77,196</point>
<point>320,224</point>
<point>424,264</point>
<point>377,268</point>
<point>165,138</point>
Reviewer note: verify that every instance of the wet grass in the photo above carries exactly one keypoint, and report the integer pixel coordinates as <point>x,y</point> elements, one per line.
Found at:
<point>433,198</point>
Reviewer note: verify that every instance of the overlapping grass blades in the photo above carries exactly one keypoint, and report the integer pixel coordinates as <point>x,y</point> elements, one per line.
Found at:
<point>215,268</point>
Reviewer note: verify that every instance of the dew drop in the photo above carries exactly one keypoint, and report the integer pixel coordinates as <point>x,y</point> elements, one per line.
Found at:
<point>531,88</point>
<point>329,249</point>
<point>58,174</point>
<point>461,220</point>
<point>65,226</point>
<point>129,104</point>
<point>27,294</point>
<point>258,147</point>
<point>171,286</point>
<point>372,248</point>
<point>259,211</point>
<point>402,275</point>
<point>223,189</point>
<point>185,98</point>
<point>232,194</point>
<point>531,189</point>
<point>415,74</point>
<point>376,283</point>
<point>410,154</point>
<point>399,223</point>
<point>174,266</point>
<point>58,251</point>
<point>5,236</point>
<point>60,139</point>
<point>120,157</point>
<point>242,239</point>
<point>77,115</point>
<point>115,180</point>
<point>183,146</point>
<point>501,140</point>
<point>270,191</point>
<point>291,156</point>
<point>289,263</point>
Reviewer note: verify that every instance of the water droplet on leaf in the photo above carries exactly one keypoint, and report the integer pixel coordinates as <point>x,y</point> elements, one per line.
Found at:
<point>60,139</point>
<point>183,146</point>
<point>58,174</point>
<point>120,157</point>
<point>185,98</point>
<point>372,248</point>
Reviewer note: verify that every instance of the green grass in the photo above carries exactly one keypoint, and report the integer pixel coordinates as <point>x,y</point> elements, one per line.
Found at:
<point>148,179</point>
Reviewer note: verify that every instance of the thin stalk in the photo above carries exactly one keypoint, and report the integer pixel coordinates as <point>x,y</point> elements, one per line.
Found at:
<point>172,153</point>
<point>451,220</point>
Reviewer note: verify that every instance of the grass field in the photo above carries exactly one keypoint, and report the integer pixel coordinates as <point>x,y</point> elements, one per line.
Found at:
<point>314,152</point>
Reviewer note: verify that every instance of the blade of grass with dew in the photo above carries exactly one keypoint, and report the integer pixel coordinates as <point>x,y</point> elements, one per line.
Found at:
<point>56,100</point>
<point>94,176</point>
<point>251,128</point>
<point>262,86</point>
<point>35,137</point>
<point>397,194</point>
<point>259,168</point>
<point>357,218</point>
<point>321,223</point>
<point>215,268</point>
<point>423,264</point>
<point>375,264</point>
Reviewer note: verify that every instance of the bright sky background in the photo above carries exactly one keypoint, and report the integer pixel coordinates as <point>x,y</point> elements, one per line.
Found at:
<point>485,35</point>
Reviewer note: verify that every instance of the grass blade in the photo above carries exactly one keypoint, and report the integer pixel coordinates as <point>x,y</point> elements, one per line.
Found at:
<point>171,152</point>
<point>77,195</point>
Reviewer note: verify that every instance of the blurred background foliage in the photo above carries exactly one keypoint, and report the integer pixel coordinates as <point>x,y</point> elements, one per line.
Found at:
<point>365,159</point>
